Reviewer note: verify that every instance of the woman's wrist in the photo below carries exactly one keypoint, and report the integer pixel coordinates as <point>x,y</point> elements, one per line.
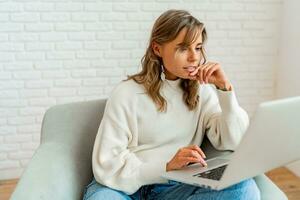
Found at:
<point>225,86</point>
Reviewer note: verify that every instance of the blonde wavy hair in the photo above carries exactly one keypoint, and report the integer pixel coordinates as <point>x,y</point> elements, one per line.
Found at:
<point>165,29</point>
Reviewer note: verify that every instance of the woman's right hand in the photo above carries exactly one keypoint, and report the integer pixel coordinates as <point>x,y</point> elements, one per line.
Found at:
<point>185,156</point>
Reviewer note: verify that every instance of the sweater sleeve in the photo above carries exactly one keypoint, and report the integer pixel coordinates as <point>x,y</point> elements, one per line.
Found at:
<point>114,163</point>
<point>224,121</point>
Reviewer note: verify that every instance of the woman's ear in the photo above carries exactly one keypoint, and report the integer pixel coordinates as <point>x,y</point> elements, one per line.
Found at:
<point>156,49</point>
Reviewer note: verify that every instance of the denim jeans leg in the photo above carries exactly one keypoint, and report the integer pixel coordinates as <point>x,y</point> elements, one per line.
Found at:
<point>245,190</point>
<point>96,191</point>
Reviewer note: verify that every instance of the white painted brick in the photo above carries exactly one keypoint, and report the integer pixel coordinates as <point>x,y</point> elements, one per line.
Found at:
<point>11,27</point>
<point>254,25</point>
<point>74,64</point>
<point>241,16</point>
<point>125,7</point>
<point>239,34</point>
<point>140,17</point>
<point>17,138</point>
<point>220,16</point>
<point>67,83</point>
<point>90,91</point>
<point>60,92</point>
<point>116,54</point>
<point>55,17</point>
<point>256,7</point>
<point>89,54</point>
<point>48,64</point>
<point>109,72</point>
<point>85,73</point>
<point>30,146</point>
<point>7,130</point>
<point>104,63</point>
<point>229,25</point>
<point>63,100</point>
<point>42,101</point>
<point>85,17</point>
<point>38,46</point>
<point>38,84</point>
<point>30,56</point>
<point>68,46</point>
<point>4,94</point>
<point>95,82</point>
<point>97,26</point>
<point>19,155</point>
<point>11,84</point>
<point>82,36</point>
<point>25,129</point>
<point>24,162</point>
<point>69,6</point>
<point>24,17</point>
<point>124,45</point>
<point>232,7</point>
<point>97,45</point>
<point>5,76</point>
<point>115,80</point>
<point>3,156</point>
<point>38,6</point>
<point>27,93</point>
<point>9,147</point>
<point>60,55</point>
<point>54,74</point>
<point>109,36</point>
<point>4,17</point>
<point>10,7</point>
<point>98,6</point>
<point>7,164</point>
<point>113,16</point>
<point>27,75</point>
<point>132,35</point>
<point>69,26</point>
<point>15,66</point>
<point>3,121</point>
<point>8,112</point>
<point>53,37</point>
<point>154,7</point>
<point>39,27</point>
<point>20,120</point>
<point>6,56</point>
<point>32,111</point>
<point>3,37</point>
<point>12,102</point>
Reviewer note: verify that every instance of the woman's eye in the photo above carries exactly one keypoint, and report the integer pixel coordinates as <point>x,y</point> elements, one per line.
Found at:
<point>198,48</point>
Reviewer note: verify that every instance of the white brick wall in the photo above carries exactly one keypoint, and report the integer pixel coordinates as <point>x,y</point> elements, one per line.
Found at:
<point>53,52</point>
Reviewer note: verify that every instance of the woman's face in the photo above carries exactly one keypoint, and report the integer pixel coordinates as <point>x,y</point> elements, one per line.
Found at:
<point>179,61</point>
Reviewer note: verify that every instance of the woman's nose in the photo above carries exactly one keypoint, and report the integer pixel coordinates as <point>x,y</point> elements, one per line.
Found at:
<point>193,56</point>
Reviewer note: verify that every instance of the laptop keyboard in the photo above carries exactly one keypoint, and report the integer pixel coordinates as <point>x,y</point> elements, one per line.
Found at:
<point>214,174</point>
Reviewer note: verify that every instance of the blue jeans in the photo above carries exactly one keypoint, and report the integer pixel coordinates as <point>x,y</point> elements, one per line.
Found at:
<point>246,190</point>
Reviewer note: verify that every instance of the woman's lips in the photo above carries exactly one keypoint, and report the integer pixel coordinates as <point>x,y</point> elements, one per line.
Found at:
<point>190,68</point>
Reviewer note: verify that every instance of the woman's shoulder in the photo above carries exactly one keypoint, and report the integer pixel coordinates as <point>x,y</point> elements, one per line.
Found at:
<point>127,89</point>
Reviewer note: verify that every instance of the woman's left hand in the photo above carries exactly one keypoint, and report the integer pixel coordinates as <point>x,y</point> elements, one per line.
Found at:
<point>211,72</point>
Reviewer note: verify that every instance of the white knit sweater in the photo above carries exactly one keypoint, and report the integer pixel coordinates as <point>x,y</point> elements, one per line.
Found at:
<point>135,141</point>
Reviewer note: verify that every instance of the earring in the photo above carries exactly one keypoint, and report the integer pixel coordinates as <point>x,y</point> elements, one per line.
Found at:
<point>162,74</point>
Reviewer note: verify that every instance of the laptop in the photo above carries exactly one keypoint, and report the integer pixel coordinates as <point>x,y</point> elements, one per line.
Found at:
<point>271,140</point>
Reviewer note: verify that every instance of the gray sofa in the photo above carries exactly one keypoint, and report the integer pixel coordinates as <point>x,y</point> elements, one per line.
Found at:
<point>61,166</point>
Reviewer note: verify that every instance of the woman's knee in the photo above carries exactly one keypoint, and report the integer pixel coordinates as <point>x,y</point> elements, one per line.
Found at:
<point>96,191</point>
<point>246,190</point>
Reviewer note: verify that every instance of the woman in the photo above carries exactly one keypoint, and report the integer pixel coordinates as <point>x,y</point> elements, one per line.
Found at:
<point>155,120</point>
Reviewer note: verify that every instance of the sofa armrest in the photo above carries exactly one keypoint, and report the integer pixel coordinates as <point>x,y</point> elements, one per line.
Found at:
<point>61,166</point>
